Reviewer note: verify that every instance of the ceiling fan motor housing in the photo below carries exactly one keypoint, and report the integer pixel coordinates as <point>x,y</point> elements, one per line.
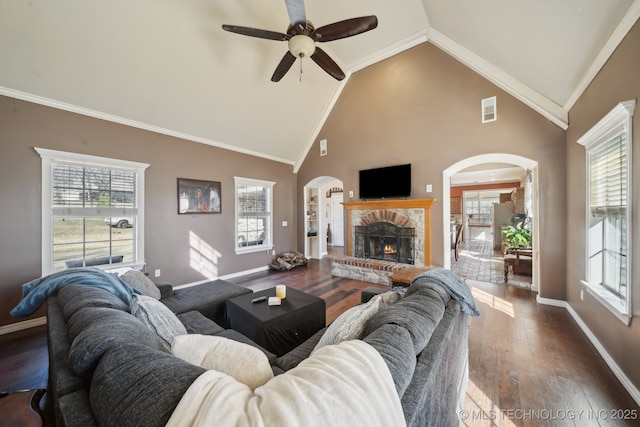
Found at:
<point>301,46</point>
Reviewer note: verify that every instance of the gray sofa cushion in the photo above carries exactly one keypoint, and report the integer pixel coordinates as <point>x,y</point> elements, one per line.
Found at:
<point>419,313</point>
<point>140,282</point>
<point>104,328</point>
<point>395,345</point>
<point>73,297</point>
<point>208,298</point>
<point>135,385</point>
<point>196,323</point>
<point>431,399</point>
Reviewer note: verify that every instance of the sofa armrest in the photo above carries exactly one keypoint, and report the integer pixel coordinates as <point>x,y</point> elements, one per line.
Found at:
<point>166,289</point>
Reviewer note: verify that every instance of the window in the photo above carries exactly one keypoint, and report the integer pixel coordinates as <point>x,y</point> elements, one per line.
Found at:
<point>254,202</point>
<point>478,207</point>
<point>92,211</point>
<point>608,222</point>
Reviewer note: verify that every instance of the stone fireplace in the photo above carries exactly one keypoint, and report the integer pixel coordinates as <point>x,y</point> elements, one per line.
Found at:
<point>397,231</point>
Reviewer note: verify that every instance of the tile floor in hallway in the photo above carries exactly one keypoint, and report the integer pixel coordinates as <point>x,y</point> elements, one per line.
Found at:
<point>478,260</point>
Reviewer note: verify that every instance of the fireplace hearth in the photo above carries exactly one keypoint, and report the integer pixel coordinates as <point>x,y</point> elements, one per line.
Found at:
<point>385,241</point>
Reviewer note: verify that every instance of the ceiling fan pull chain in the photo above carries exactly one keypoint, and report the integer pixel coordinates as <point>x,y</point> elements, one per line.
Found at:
<point>301,70</point>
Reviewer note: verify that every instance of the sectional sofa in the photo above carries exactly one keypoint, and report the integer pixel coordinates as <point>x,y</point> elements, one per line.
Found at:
<point>110,368</point>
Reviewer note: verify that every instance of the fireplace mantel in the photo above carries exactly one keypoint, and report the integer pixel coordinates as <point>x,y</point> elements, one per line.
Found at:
<point>390,205</point>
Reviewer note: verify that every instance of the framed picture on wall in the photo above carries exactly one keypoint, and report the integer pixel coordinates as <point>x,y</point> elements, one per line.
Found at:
<point>199,197</point>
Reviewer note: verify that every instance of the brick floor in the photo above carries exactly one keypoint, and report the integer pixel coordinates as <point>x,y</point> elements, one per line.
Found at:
<point>478,261</point>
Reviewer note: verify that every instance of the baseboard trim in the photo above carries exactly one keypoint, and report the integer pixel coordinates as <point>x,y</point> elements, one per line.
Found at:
<point>551,302</point>
<point>617,371</point>
<point>626,383</point>
<point>245,273</point>
<point>20,326</point>
<point>225,277</point>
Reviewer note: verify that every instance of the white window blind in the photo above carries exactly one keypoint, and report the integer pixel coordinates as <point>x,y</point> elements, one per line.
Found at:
<point>608,176</point>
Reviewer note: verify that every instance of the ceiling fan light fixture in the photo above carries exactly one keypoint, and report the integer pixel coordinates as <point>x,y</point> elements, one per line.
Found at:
<point>301,46</point>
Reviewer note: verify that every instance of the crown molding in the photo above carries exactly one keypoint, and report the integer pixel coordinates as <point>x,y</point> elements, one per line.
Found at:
<point>504,81</point>
<point>36,99</point>
<point>628,21</point>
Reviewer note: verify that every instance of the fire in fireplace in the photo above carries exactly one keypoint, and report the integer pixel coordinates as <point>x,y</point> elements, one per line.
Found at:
<point>385,241</point>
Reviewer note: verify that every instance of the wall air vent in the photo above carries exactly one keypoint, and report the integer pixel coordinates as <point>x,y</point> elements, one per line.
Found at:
<point>489,110</point>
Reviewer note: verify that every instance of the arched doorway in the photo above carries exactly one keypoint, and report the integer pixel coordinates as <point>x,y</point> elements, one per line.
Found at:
<point>324,216</point>
<point>492,158</point>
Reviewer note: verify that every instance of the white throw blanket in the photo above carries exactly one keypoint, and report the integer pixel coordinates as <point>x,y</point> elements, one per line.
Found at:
<point>346,384</point>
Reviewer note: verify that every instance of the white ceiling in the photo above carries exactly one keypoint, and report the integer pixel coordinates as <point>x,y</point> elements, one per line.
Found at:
<point>169,67</point>
<point>493,173</point>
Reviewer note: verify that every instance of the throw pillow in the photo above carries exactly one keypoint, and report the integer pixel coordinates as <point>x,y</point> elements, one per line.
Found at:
<point>243,362</point>
<point>140,282</point>
<point>347,384</point>
<point>158,317</point>
<point>351,324</point>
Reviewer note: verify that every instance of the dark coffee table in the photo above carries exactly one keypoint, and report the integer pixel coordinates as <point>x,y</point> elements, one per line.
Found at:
<point>278,329</point>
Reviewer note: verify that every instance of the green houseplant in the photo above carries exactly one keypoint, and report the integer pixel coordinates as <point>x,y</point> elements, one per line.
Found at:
<point>516,237</point>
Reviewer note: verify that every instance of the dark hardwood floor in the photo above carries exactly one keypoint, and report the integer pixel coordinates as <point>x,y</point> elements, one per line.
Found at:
<point>529,364</point>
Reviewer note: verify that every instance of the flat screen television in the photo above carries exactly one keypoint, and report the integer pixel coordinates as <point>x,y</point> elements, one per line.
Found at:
<point>386,183</point>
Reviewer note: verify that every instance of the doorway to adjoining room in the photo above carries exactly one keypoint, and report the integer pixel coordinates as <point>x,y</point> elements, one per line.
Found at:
<point>324,217</point>
<point>492,202</point>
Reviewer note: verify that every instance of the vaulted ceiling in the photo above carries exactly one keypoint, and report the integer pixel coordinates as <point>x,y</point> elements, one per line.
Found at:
<point>168,66</point>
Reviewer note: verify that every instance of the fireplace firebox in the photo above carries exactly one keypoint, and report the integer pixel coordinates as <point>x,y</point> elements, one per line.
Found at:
<point>384,241</point>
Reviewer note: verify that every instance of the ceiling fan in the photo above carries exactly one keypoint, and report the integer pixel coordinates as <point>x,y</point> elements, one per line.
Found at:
<point>302,37</point>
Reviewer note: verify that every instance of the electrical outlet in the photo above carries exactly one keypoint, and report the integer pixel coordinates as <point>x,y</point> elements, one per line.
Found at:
<point>273,251</point>
<point>285,223</point>
<point>351,194</point>
<point>429,188</point>
<point>157,272</point>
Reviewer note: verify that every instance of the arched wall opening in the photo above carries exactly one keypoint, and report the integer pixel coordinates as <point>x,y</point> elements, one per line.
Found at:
<point>327,214</point>
<point>492,158</point>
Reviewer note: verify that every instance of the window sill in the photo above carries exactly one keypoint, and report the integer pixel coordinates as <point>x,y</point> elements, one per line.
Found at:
<point>614,305</point>
<point>252,249</point>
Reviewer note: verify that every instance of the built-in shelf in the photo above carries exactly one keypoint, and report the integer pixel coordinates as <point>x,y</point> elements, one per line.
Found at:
<point>312,223</point>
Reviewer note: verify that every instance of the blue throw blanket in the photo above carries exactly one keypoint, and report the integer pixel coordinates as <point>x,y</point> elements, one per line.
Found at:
<point>35,293</point>
<point>455,286</point>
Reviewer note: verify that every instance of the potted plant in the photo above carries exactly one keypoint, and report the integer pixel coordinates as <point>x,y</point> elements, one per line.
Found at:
<point>516,237</point>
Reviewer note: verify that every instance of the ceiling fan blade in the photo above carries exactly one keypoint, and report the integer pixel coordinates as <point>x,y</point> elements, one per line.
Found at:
<point>254,32</point>
<point>295,9</point>
<point>285,63</point>
<point>325,62</point>
<point>346,28</point>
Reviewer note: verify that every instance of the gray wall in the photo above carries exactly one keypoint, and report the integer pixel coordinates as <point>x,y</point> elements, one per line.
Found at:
<point>423,107</point>
<point>618,81</point>
<point>168,247</point>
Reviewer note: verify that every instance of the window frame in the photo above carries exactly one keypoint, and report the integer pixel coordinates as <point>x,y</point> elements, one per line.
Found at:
<point>267,244</point>
<point>618,120</point>
<point>48,158</point>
